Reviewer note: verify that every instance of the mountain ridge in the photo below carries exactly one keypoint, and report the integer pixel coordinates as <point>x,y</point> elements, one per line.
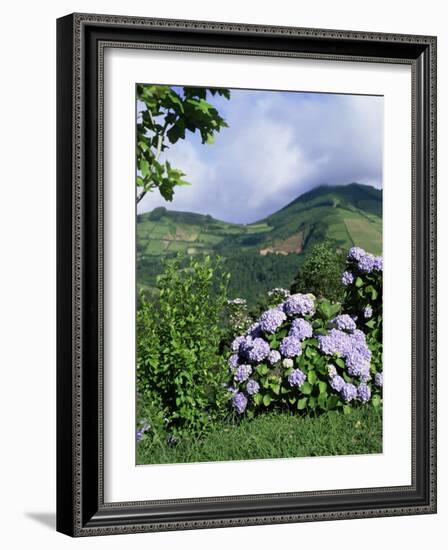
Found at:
<point>273,247</point>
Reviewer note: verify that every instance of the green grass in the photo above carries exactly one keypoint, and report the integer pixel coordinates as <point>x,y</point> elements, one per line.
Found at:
<point>273,435</point>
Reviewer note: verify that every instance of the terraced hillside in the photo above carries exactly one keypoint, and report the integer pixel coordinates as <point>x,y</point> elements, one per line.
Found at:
<point>269,252</point>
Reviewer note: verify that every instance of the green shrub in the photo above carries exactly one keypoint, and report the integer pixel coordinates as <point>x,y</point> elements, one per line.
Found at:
<point>178,337</point>
<point>321,273</point>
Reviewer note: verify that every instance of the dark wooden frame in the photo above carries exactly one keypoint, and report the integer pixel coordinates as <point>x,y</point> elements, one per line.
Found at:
<point>81,510</point>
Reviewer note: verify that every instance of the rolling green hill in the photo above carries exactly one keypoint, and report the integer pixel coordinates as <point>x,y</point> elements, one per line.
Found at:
<point>267,253</point>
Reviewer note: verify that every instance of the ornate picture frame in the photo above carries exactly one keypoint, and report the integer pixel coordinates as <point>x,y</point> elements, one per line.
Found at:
<point>81,506</point>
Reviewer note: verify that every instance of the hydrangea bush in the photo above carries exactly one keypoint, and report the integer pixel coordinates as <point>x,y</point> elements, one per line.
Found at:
<point>309,354</point>
<point>363,300</point>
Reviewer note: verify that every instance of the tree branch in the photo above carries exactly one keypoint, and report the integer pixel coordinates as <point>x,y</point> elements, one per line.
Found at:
<point>140,196</point>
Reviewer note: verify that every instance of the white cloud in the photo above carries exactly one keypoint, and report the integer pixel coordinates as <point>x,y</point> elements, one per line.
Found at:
<point>278,146</point>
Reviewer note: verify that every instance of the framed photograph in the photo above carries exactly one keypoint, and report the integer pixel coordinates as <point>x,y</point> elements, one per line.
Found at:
<point>246,274</point>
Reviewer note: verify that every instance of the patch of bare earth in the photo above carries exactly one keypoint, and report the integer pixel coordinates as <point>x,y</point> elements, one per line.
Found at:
<point>291,245</point>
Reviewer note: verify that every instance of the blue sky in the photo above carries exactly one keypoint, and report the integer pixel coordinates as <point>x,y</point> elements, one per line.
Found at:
<point>278,145</point>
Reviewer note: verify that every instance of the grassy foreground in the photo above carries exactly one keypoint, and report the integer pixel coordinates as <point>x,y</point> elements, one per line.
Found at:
<point>274,435</point>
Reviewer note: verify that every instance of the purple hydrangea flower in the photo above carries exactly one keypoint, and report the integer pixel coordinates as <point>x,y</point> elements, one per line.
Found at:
<point>297,378</point>
<point>348,392</point>
<point>378,263</point>
<point>271,319</point>
<point>364,374</point>
<point>337,382</point>
<point>233,361</point>
<point>239,402</point>
<point>335,342</point>
<point>274,357</point>
<point>356,363</point>
<point>379,379</point>
<point>299,304</point>
<point>252,387</point>
<point>358,337</point>
<point>364,393</point>
<point>366,264</point>
<point>254,331</point>
<point>355,253</point>
<point>301,329</point>
<point>290,347</point>
<point>242,373</point>
<point>257,350</point>
<point>347,278</point>
<point>367,312</point>
<point>344,322</point>
<point>236,344</point>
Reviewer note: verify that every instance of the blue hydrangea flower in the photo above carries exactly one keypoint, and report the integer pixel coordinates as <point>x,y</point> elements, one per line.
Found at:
<point>301,329</point>
<point>349,392</point>
<point>274,357</point>
<point>297,378</point>
<point>379,379</point>
<point>252,387</point>
<point>257,350</point>
<point>337,382</point>
<point>242,373</point>
<point>344,322</point>
<point>355,253</point>
<point>233,361</point>
<point>366,264</point>
<point>239,402</point>
<point>299,304</point>
<point>290,347</point>
<point>271,319</point>
<point>347,278</point>
<point>364,393</point>
<point>367,312</point>
<point>378,263</point>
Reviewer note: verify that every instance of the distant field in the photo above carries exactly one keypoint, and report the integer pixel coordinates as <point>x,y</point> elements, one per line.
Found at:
<point>365,235</point>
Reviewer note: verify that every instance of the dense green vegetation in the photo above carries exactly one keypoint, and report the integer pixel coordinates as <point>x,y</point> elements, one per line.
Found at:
<point>268,253</point>
<point>321,272</point>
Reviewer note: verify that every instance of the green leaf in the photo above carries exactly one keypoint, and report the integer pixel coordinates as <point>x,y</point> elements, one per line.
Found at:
<point>332,402</point>
<point>301,403</point>
<point>376,400</point>
<point>267,400</point>
<point>359,282</point>
<point>262,369</point>
<point>306,388</point>
<point>322,401</point>
<point>257,399</point>
<point>323,387</point>
<point>312,377</point>
<point>347,409</point>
